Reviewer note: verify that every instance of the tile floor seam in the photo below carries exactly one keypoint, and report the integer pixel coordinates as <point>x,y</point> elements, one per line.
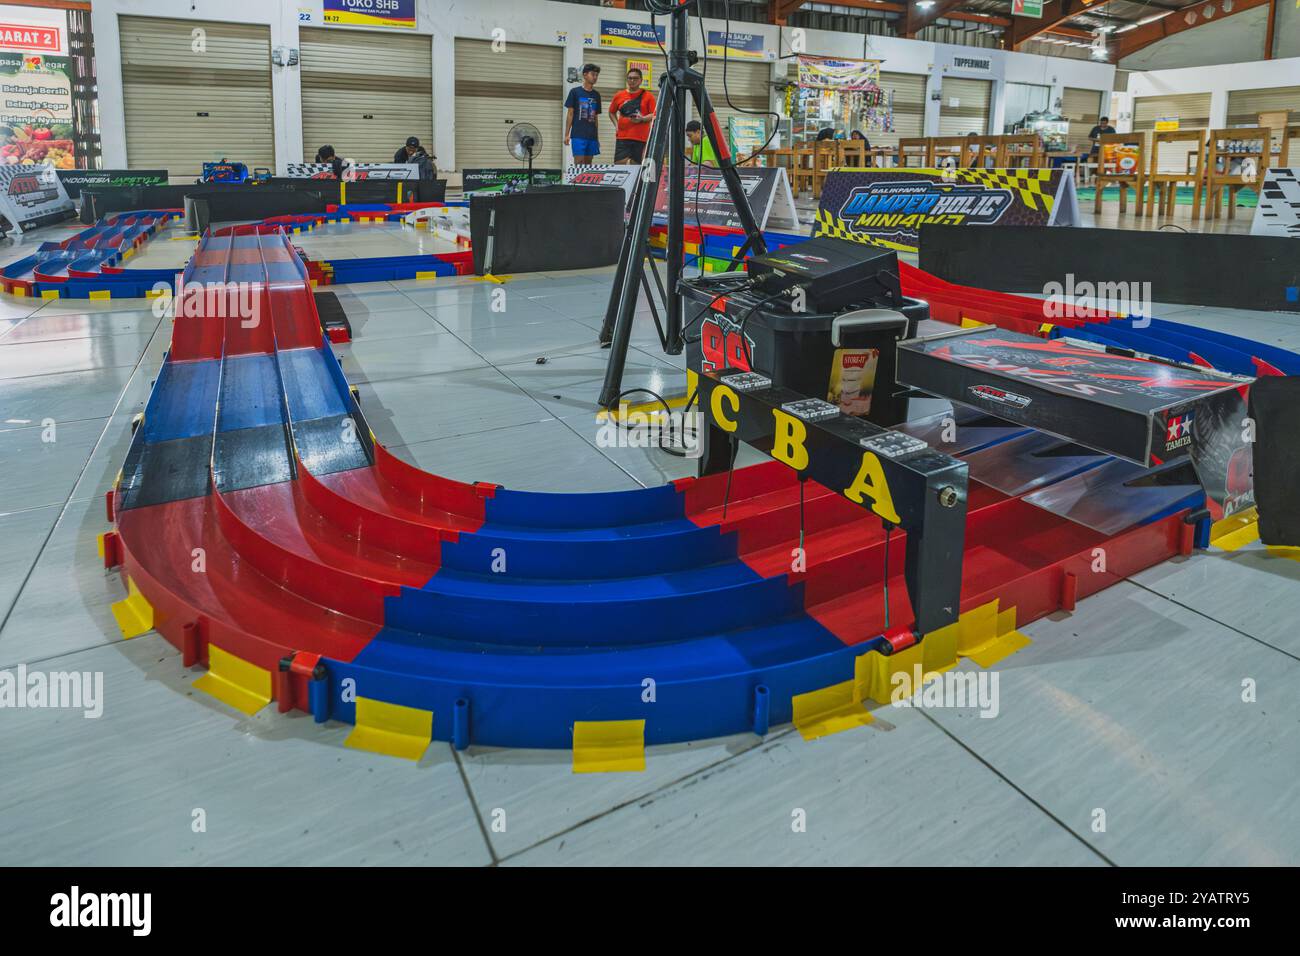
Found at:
<point>757,745</point>
<point>473,802</point>
<point>1202,614</point>
<point>578,434</point>
<point>1010,783</point>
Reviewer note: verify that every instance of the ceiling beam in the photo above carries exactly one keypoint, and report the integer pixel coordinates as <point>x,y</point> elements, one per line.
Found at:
<point>918,19</point>
<point>1130,41</point>
<point>1054,12</point>
<point>779,11</point>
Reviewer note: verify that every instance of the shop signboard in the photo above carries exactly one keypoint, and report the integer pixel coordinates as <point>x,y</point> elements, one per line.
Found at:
<point>369,13</point>
<point>36,110</point>
<point>738,46</point>
<point>631,35</point>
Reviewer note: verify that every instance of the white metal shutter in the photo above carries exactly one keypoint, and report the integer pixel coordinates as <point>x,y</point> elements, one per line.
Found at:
<point>364,93</point>
<point>1083,109</point>
<point>184,107</point>
<point>524,83</point>
<point>1193,112</point>
<point>749,84</point>
<point>909,108</point>
<point>1244,106</point>
<point>972,112</point>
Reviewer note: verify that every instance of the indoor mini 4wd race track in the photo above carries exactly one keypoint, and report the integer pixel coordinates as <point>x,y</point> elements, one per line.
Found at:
<point>264,531</point>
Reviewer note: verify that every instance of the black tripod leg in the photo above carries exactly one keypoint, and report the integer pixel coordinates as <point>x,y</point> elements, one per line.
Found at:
<point>676,252</point>
<point>713,130</point>
<point>622,299</point>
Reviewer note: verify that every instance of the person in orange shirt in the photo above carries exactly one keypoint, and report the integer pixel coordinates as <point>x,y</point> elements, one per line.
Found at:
<point>632,110</point>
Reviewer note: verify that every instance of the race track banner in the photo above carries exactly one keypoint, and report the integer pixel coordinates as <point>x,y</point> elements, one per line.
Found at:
<point>604,174</point>
<point>631,35</point>
<point>708,199</point>
<point>75,180</point>
<point>32,196</point>
<point>497,180</point>
<point>823,72</point>
<point>888,207</point>
<point>1278,212</point>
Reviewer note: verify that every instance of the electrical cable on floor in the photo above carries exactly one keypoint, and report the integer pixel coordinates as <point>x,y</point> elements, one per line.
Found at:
<point>888,530</point>
<point>731,468</point>
<point>668,413</point>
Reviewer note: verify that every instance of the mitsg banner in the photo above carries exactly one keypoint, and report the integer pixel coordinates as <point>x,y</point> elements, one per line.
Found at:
<point>708,200</point>
<point>888,207</point>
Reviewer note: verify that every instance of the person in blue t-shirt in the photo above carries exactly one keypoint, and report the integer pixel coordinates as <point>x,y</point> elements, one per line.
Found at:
<point>583,111</point>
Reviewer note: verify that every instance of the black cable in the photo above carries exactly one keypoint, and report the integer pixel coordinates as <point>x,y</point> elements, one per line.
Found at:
<point>888,530</point>
<point>749,357</point>
<point>731,470</point>
<point>668,412</point>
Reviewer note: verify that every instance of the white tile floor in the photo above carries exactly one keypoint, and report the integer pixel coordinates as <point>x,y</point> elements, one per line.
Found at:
<point>1132,705</point>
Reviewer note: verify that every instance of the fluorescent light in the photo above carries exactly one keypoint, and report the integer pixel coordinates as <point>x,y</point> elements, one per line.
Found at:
<point>924,4</point>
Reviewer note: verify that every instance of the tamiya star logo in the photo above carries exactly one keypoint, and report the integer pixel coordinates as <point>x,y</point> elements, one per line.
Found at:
<point>1178,431</point>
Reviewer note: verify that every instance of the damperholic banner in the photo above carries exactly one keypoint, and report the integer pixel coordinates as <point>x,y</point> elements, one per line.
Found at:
<point>75,180</point>
<point>1278,211</point>
<point>36,110</point>
<point>888,207</point>
<point>709,200</point>
<point>602,174</point>
<point>32,196</point>
<point>497,180</point>
<point>823,72</point>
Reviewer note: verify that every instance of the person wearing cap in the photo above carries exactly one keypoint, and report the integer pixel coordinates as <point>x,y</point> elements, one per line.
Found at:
<point>582,113</point>
<point>413,152</point>
<point>632,111</point>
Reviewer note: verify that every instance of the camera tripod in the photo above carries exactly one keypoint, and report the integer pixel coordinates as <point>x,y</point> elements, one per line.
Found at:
<point>667,138</point>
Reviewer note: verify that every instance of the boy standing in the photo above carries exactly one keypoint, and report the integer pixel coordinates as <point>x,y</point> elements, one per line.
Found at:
<point>583,106</point>
<point>632,111</point>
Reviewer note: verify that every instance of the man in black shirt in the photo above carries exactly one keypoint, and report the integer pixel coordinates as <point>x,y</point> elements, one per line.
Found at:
<point>1103,126</point>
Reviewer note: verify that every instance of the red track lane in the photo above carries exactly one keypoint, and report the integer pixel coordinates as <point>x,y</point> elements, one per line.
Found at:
<point>235,605</point>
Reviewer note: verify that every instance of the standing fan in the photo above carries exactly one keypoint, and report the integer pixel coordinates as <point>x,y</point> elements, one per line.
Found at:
<point>523,142</point>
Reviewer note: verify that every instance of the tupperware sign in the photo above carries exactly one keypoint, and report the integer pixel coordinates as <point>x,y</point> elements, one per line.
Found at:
<point>370,13</point>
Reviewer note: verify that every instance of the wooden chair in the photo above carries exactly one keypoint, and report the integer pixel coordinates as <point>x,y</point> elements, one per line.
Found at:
<point>983,152</point>
<point>1025,150</point>
<point>851,152</point>
<point>824,156</point>
<point>803,173</point>
<point>882,156</point>
<point>946,150</point>
<point>1163,183</point>
<point>917,151</point>
<point>1237,145</point>
<point>1126,178</point>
